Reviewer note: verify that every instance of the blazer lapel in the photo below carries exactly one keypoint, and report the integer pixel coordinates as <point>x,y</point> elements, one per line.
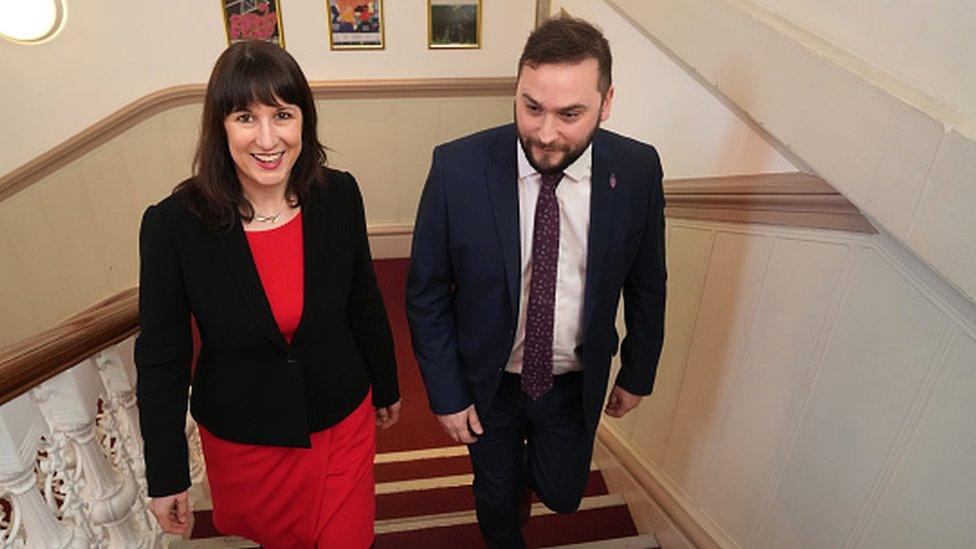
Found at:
<point>604,200</point>
<point>502,181</point>
<point>315,239</point>
<point>234,246</point>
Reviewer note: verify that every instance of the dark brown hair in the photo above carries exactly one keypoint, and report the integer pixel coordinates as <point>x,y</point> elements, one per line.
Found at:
<point>567,39</point>
<point>249,72</point>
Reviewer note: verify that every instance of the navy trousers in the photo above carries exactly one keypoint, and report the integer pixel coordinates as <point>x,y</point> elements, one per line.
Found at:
<point>543,445</point>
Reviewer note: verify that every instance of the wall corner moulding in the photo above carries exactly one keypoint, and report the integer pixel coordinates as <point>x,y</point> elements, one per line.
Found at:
<point>32,21</point>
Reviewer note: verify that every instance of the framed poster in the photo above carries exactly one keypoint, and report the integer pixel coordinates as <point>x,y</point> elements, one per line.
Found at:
<point>253,20</point>
<point>355,24</point>
<point>453,24</point>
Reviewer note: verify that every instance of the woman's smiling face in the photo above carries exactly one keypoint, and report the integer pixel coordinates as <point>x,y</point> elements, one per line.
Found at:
<point>264,141</point>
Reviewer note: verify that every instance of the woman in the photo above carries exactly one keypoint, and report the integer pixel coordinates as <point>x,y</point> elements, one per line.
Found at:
<point>266,248</point>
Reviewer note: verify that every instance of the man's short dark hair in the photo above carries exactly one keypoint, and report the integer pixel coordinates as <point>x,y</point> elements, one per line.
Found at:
<point>567,39</point>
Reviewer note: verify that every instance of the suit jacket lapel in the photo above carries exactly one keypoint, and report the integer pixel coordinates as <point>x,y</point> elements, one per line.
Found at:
<point>236,251</point>
<point>604,200</point>
<point>502,181</point>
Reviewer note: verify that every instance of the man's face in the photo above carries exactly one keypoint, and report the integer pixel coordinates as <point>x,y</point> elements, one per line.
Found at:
<point>557,110</point>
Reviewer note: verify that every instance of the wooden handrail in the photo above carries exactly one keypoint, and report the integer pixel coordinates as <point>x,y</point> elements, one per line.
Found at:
<point>790,199</point>
<point>31,361</point>
<point>793,199</point>
<point>168,98</point>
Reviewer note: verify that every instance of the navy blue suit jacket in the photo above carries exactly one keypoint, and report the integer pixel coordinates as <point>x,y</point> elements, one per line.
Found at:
<point>464,285</point>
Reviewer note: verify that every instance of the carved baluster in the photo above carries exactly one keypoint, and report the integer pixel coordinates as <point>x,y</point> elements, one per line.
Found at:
<point>119,376</point>
<point>34,523</point>
<point>113,444</point>
<point>11,534</point>
<point>69,403</point>
<point>63,483</point>
<point>121,425</point>
<point>122,360</point>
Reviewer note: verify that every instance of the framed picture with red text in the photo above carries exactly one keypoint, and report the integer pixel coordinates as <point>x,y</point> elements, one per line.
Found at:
<point>253,20</point>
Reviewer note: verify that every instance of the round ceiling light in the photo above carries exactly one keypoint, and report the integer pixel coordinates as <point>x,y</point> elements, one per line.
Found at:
<point>31,21</point>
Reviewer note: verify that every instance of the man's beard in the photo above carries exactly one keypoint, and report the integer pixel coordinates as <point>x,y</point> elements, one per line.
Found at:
<point>570,154</point>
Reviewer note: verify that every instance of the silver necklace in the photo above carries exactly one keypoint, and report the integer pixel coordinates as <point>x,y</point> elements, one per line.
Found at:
<point>267,218</point>
<point>270,218</point>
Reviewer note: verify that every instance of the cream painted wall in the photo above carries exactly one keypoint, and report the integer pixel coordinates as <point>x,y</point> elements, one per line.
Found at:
<point>812,391</point>
<point>929,45</point>
<point>656,101</point>
<point>903,157</point>
<point>70,240</point>
<point>111,53</point>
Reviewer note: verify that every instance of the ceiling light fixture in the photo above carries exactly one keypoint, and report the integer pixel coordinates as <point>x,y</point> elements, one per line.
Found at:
<point>31,21</point>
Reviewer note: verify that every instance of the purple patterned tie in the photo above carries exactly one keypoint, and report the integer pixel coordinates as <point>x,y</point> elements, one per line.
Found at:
<point>540,315</point>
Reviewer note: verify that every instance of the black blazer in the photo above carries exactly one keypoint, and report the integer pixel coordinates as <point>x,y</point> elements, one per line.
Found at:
<point>464,286</point>
<point>250,385</point>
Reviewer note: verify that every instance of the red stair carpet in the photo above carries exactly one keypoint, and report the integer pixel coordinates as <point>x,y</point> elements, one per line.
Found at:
<point>423,478</point>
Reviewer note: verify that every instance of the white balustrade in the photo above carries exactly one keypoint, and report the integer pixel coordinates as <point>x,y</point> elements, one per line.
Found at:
<point>34,522</point>
<point>71,461</point>
<point>119,378</point>
<point>121,425</point>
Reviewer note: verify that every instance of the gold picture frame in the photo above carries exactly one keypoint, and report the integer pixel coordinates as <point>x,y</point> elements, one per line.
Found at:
<point>542,9</point>
<point>252,20</point>
<point>454,24</point>
<point>351,27</point>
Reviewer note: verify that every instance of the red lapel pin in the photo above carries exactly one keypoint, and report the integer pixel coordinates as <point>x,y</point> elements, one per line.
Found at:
<point>613,181</point>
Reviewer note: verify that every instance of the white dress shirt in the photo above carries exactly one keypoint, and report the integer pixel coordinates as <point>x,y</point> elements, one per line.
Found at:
<point>573,197</point>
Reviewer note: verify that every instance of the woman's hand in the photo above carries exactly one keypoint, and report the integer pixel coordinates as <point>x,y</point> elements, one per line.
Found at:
<point>172,512</point>
<point>388,415</point>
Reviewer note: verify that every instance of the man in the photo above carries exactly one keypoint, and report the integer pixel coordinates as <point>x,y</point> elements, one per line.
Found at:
<point>525,236</point>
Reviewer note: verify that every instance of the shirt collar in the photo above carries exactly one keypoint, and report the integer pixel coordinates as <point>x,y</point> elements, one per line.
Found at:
<point>577,171</point>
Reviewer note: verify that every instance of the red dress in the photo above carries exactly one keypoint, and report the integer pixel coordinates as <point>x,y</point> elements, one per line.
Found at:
<point>294,497</point>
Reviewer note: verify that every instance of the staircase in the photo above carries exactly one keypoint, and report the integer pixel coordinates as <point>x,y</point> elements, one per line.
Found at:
<point>423,479</point>
<point>424,500</point>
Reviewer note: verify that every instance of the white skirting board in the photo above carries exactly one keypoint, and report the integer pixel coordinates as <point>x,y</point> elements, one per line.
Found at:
<point>390,241</point>
<point>656,509</point>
